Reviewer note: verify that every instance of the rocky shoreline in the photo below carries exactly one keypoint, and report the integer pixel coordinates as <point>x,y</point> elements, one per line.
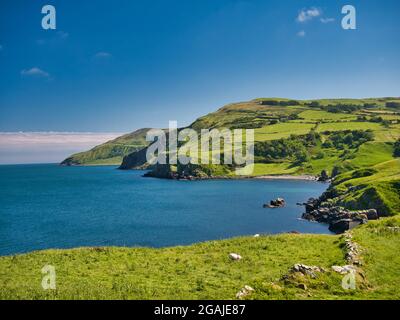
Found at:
<point>338,218</point>
<point>181,177</point>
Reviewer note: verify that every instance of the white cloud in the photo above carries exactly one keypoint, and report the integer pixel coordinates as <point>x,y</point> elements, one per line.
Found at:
<point>63,34</point>
<point>51,137</point>
<point>45,147</point>
<point>55,37</point>
<point>327,20</point>
<point>308,14</point>
<point>301,33</point>
<point>35,71</point>
<point>102,54</point>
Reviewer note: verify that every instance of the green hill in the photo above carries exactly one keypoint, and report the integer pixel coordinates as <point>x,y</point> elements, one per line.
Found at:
<point>111,152</point>
<point>272,119</point>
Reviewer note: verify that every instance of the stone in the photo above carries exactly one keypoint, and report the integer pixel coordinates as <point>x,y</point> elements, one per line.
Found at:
<point>245,291</point>
<point>338,218</point>
<point>302,286</point>
<point>307,270</point>
<point>344,270</point>
<point>343,225</point>
<point>324,176</point>
<point>277,203</point>
<point>235,256</point>
<point>372,214</point>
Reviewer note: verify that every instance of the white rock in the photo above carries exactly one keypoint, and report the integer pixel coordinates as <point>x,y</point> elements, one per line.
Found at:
<point>343,270</point>
<point>235,256</point>
<point>246,290</point>
<point>256,235</point>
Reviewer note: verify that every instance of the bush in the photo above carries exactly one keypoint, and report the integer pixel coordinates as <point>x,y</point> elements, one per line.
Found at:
<point>339,108</point>
<point>301,156</point>
<point>293,148</point>
<point>395,105</point>
<point>337,170</point>
<point>348,138</point>
<point>396,151</point>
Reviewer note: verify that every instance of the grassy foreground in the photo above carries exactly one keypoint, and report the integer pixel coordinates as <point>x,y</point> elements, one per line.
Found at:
<point>204,271</point>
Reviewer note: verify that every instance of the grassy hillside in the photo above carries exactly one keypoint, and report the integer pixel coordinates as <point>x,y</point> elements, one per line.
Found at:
<point>111,152</point>
<point>272,119</point>
<point>375,187</point>
<point>204,271</point>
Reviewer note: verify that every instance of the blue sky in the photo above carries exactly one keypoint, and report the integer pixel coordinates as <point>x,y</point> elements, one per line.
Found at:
<point>115,66</point>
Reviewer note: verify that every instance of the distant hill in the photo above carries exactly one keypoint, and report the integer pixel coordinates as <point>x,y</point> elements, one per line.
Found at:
<point>339,138</point>
<point>111,152</point>
<point>273,118</point>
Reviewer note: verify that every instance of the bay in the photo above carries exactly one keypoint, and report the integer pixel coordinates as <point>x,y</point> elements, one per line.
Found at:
<point>48,206</point>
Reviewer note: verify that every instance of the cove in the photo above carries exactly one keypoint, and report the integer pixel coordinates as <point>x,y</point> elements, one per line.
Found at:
<point>48,206</point>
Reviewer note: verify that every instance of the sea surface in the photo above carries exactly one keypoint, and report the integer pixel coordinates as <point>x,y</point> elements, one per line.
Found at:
<point>48,206</point>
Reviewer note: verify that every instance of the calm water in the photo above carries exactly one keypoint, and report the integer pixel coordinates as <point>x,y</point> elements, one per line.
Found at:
<point>47,206</point>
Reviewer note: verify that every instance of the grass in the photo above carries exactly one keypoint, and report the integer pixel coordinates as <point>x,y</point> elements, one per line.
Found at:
<point>273,169</point>
<point>390,134</point>
<point>204,271</point>
<point>372,153</point>
<point>376,187</point>
<point>314,115</point>
<point>281,130</point>
<point>350,125</point>
<point>381,263</point>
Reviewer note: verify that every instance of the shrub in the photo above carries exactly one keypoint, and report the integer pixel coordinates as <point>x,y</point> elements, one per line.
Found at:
<point>395,105</point>
<point>396,151</point>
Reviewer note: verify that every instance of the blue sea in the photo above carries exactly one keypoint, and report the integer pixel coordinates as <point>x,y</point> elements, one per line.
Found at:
<point>48,206</point>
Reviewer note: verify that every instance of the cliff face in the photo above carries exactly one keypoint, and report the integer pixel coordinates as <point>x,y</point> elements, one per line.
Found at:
<point>134,160</point>
<point>374,188</point>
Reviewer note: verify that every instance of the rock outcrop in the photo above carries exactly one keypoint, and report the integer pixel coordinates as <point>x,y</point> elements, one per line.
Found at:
<point>134,160</point>
<point>277,203</point>
<point>338,218</point>
<point>307,270</point>
<point>344,269</point>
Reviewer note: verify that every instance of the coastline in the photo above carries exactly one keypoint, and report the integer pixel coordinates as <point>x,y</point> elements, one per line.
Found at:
<point>288,177</point>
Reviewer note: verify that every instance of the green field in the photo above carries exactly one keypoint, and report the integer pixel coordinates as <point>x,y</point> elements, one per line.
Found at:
<point>350,125</point>
<point>204,271</point>
<point>281,130</point>
<point>316,115</point>
<point>261,169</point>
